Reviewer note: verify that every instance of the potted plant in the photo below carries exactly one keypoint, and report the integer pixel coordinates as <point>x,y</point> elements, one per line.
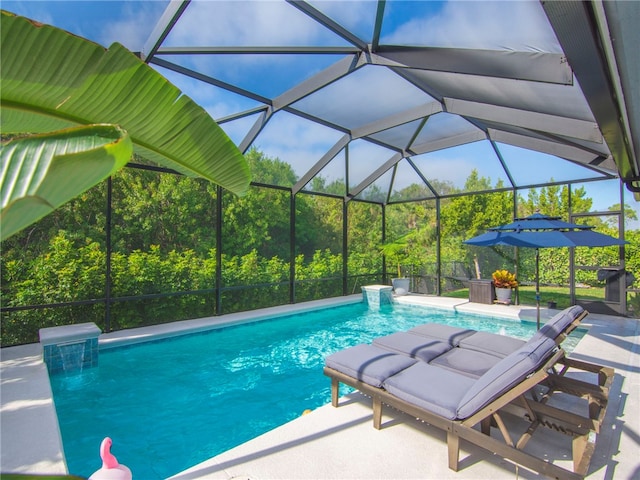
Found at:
<point>504,281</point>
<point>394,252</point>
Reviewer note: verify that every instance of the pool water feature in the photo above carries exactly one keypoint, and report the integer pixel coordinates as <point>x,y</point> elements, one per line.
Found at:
<point>173,403</point>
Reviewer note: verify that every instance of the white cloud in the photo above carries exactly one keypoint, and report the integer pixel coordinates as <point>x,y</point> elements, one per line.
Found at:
<point>356,15</point>
<point>237,129</point>
<point>356,99</point>
<point>244,23</point>
<point>299,142</point>
<point>364,158</point>
<point>135,24</point>
<point>452,169</point>
<point>513,25</point>
<point>37,11</point>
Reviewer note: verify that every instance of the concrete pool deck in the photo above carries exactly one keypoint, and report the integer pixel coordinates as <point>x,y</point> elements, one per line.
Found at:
<point>340,443</point>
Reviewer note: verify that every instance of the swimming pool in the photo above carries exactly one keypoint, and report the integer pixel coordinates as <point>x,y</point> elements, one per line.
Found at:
<point>172,403</point>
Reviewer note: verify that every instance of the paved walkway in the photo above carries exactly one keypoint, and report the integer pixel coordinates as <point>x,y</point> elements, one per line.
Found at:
<point>341,443</point>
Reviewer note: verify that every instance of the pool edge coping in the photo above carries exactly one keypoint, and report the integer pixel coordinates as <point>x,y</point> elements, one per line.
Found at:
<point>134,336</point>
<point>38,375</point>
<point>23,372</point>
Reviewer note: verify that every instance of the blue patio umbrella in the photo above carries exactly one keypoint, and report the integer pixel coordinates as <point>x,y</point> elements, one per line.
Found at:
<point>541,231</point>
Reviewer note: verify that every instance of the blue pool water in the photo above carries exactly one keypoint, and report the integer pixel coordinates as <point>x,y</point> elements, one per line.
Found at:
<point>170,404</point>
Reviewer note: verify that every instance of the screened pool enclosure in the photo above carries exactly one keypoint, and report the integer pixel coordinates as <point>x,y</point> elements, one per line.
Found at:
<point>380,135</point>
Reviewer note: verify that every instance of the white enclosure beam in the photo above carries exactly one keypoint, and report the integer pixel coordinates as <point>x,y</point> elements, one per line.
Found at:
<point>453,141</point>
<point>400,118</point>
<point>579,156</point>
<point>322,79</point>
<point>171,14</point>
<point>377,173</point>
<point>542,122</point>
<point>531,66</point>
<point>323,162</point>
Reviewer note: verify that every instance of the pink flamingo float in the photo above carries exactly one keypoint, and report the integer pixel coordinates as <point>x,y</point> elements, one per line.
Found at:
<point>111,469</point>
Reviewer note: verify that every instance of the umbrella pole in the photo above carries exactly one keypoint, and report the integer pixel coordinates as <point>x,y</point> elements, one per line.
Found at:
<point>538,288</point>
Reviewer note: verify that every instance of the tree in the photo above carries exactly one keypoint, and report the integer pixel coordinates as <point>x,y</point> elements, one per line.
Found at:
<point>173,212</point>
<point>553,200</point>
<point>411,234</point>
<point>629,214</point>
<point>469,215</point>
<point>466,216</point>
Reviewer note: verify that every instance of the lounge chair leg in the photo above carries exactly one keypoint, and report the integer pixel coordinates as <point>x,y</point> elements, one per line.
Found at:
<point>453,447</point>
<point>335,392</point>
<point>377,413</point>
<point>485,426</point>
<point>582,451</point>
<point>503,429</point>
<point>594,408</point>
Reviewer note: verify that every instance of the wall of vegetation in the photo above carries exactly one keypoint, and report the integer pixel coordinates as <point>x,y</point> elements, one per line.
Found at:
<point>179,248</point>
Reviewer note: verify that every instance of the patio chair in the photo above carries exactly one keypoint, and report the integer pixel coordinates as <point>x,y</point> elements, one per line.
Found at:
<point>522,383</point>
<point>474,352</point>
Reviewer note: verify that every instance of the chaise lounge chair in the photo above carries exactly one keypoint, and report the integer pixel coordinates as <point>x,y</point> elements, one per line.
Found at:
<point>522,383</point>
<point>472,352</point>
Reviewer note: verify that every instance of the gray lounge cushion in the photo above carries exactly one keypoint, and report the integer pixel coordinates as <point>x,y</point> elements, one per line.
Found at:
<point>423,348</point>
<point>505,374</point>
<point>559,322</point>
<point>492,343</point>
<point>470,363</point>
<point>369,364</point>
<point>447,333</point>
<point>431,388</point>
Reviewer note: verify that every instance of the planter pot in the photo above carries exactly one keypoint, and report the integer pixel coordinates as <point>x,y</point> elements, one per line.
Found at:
<point>503,295</point>
<point>400,285</point>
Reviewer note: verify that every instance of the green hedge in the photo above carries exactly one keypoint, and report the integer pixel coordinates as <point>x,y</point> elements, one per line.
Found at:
<point>67,272</point>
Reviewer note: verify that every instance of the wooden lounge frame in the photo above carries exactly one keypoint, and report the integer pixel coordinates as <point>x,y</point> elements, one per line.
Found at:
<point>529,399</point>
<point>575,323</point>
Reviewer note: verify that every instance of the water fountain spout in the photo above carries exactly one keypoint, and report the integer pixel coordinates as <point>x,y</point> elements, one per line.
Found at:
<point>72,354</point>
<point>69,348</point>
<point>377,296</point>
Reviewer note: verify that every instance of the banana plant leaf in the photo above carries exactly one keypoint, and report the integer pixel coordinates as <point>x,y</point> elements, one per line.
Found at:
<point>37,170</point>
<point>51,80</point>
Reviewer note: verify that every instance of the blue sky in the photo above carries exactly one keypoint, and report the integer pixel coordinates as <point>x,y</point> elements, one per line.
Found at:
<point>264,22</point>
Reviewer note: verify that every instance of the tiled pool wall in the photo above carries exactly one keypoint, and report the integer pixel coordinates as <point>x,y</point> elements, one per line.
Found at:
<point>72,355</point>
<point>69,348</point>
<point>377,296</point>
